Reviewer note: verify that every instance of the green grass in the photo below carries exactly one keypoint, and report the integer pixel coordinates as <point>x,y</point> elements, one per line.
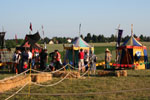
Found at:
<point>136,79</point>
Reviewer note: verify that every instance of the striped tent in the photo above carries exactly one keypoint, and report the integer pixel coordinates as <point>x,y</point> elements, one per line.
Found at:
<point>131,42</point>
<point>133,54</point>
<point>79,42</point>
<point>72,50</point>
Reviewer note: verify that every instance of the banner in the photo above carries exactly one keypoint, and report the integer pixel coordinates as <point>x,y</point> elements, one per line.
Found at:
<point>2,35</point>
<point>119,37</point>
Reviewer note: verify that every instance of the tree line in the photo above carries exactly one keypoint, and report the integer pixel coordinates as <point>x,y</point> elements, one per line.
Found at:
<point>11,43</point>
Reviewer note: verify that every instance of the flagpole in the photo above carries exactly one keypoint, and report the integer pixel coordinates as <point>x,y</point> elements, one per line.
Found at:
<point>117,43</point>
<point>116,34</point>
<point>79,29</point>
<point>131,29</point>
<point>43,37</point>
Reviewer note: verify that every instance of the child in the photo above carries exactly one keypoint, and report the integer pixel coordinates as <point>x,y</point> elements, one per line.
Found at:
<point>25,66</point>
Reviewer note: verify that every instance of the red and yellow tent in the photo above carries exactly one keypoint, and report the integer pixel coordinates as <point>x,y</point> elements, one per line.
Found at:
<point>132,54</point>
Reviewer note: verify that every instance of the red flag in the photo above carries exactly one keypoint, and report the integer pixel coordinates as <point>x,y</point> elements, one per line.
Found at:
<point>30,26</point>
<point>16,38</point>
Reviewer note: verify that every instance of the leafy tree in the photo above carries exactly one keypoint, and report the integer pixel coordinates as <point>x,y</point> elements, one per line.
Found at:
<point>112,38</point>
<point>141,37</point>
<point>94,39</point>
<point>46,39</point>
<point>88,37</point>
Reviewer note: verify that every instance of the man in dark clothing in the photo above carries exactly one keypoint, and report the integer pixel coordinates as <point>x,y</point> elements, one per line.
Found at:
<point>43,59</point>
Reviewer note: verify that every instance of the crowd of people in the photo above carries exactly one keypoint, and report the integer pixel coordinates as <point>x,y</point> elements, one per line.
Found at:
<point>26,59</point>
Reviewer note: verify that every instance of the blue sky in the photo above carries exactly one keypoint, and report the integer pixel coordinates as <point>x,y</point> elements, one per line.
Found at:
<point>62,17</point>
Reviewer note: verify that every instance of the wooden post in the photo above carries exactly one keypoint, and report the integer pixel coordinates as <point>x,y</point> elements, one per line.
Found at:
<point>131,29</point>
<point>29,82</point>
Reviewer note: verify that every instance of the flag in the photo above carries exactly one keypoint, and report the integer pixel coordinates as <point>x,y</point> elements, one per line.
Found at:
<point>30,26</point>
<point>119,37</point>
<point>16,38</point>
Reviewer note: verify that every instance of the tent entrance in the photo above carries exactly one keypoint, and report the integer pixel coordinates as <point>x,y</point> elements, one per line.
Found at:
<point>126,57</point>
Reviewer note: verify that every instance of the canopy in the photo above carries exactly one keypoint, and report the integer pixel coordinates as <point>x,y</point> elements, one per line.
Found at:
<point>79,42</point>
<point>30,42</point>
<point>131,42</point>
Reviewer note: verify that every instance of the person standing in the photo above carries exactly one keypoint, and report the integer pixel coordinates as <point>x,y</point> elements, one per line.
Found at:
<point>93,60</point>
<point>81,61</point>
<point>29,57</point>
<point>57,57</point>
<point>86,59</point>
<point>16,59</point>
<point>43,59</point>
<point>107,58</point>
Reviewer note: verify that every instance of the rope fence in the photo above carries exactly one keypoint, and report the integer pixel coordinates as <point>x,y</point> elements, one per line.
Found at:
<point>14,76</point>
<point>56,83</point>
<point>50,84</point>
<point>16,92</point>
<point>81,94</point>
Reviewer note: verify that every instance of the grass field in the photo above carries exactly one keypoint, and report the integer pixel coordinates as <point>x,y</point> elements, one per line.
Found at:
<point>137,79</point>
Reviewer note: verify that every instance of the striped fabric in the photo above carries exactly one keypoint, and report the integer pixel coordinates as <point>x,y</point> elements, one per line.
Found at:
<point>79,42</point>
<point>131,42</point>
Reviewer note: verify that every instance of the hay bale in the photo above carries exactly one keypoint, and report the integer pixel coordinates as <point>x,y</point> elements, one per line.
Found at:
<point>121,73</point>
<point>14,82</point>
<point>124,73</point>
<point>117,73</point>
<point>62,74</point>
<point>41,77</point>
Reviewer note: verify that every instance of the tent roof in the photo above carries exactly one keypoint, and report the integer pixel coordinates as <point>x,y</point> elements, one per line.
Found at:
<point>79,42</point>
<point>131,42</point>
<point>30,41</point>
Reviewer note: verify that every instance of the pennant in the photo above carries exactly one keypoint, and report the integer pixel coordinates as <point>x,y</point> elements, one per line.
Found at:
<point>119,37</point>
<point>30,26</point>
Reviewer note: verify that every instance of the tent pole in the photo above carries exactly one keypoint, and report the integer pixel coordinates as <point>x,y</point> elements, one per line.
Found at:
<point>127,56</point>
<point>73,55</point>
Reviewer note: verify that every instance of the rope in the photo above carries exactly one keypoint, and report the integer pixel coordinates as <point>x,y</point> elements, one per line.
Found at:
<point>14,76</point>
<point>85,73</point>
<point>74,67</point>
<point>50,72</point>
<point>78,68</point>
<point>83,94</point>
<point>16,92</point>
<point>51,84</point>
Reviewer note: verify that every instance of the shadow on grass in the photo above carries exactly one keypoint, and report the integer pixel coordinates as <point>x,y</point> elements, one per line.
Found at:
<point>138,75</point>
